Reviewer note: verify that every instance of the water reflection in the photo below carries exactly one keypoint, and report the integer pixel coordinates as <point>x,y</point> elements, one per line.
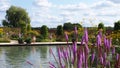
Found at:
<point>24,57</point>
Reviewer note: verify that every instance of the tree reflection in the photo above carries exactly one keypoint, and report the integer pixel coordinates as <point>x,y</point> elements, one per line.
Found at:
<point>43,51</point>
<point>17,55</point>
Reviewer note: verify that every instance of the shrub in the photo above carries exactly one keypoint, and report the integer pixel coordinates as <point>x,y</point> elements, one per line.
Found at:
<point>4,40</point>
<point>28,40</point>
<point>20,40</point>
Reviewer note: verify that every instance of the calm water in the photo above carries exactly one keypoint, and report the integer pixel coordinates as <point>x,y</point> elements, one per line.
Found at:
<point>25,57</point>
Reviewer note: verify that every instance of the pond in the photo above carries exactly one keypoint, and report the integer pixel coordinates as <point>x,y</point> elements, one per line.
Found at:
<point>25,56</point>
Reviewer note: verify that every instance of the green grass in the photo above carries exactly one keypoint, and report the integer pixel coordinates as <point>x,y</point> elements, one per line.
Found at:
<point>4,40</point>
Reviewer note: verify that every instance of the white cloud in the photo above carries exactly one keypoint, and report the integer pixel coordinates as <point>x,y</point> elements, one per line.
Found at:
<point>4,4</point>
<point>74,7</point>
<point>115,1</point>
<point>104,10</point>
<point>103,4</point>
<point>42,3</point>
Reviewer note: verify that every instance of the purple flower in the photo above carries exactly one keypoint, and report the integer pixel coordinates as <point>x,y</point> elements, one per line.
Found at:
<point>92,57</point>
<point>86,49</point>
<point>86,35</point>
<point>101,60</point>
<point>113,50</point>
<point>82,40</point>
<point>59,56</point>
<point>65,54</point>
<point>79,64</point>
<point>105,41</point>
<point>74,48</point>
<point>99,42</point>
<point>104,55</point>
<point>51,65</point>
<point>108,63</point>
<point>100,34</point>
<point>117,56</point>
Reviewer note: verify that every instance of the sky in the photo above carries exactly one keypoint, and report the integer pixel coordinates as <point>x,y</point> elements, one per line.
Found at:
<point>57,12</point>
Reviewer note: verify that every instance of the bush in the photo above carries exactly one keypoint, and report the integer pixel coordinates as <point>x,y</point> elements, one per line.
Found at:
<point>28,40</point>
<point>14,37</point>
<point>20,40</point>
<point>4,40</point>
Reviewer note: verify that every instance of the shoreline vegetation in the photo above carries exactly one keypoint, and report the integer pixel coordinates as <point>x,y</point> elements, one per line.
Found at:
<point>17,26</point>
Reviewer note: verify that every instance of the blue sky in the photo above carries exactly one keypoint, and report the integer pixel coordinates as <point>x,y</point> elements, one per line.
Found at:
<point>56,12</point>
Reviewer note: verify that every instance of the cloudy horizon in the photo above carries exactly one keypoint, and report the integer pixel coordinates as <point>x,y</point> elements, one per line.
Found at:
<point>53,12</point>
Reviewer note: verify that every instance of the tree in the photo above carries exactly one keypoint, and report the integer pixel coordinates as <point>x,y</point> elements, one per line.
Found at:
<point>68,26</point>
<point>16,17</point>
<point>101,26</point>
<point>59,30</point>
<point>117,25</point>
<point>44,31</point>
<point>77,25</point>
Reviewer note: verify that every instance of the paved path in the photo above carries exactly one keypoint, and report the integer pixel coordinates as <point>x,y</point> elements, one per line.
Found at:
<point>15,43</point>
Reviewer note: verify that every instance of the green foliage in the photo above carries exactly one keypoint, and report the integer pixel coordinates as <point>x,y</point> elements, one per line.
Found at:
<point>28,27</point>
<point>33,33</point>
<point>20,40</point>
<point>59,31</point>
<point>4,23</point>
<point>14,36</point>
<point>68,26</point>
<point>100,26</point>
<point>117,25</point>
<point>4,40</point>
<point>77,25</point>
<point>117,49</point>
<point>44,31</point>
<point>16,17</point>
<point>28,40</point>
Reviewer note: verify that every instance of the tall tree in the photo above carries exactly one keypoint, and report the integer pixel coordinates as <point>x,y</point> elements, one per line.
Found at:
<point>44,31</point>
<point>117,25</point>
<point>59,30</point>
<point>101,26</point>
<point>16,17</point>
<point>68,26</point>
<point>77,25</point>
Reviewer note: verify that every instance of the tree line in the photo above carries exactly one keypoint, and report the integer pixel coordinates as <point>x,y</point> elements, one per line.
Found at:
<point>18,17</point>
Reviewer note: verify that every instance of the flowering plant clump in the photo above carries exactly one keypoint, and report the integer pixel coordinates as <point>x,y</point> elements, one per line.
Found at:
<point>99,55</point>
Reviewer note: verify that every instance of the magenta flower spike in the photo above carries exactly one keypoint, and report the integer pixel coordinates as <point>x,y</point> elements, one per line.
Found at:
<point>82,40</point>
<point>51,65</point>
<point>104,55</point>
<point>74,49</point>
<point>113,50</point>
<point>65,54</point>
<point>86,49</point>
<point>79,64</point>
<point>59,56</point>
<point>92,57</point>
<point>117,56</point>
<point>99,42</point>
<point>101,60</point>
<point>100,33</point>
<point>108,44</point>
<point>86,35</point>
<point>105,41</point>
<point>109,63</point>
<point>83,56</point>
